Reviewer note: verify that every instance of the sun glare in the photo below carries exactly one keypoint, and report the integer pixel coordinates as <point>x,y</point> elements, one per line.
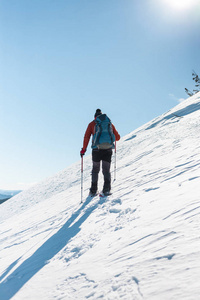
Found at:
<point>181,4</point>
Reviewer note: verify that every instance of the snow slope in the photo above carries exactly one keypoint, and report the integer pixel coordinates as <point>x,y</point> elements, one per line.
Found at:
<point>143,242</point>
<point>5,195</point>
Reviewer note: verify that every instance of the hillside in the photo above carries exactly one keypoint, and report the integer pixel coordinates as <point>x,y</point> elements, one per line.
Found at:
<point>140,243</point>
<point>5,195</point>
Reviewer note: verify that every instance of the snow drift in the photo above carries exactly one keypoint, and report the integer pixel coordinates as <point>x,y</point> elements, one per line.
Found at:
<point>140,243</point>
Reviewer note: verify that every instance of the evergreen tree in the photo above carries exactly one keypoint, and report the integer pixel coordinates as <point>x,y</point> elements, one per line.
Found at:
<point>196,78</point>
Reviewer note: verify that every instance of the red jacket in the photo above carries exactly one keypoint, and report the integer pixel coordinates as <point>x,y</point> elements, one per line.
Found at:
<point>91,131</point>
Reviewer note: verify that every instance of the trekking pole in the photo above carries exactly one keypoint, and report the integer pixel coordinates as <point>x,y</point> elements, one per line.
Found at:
<point>82,179</point>
<point>115,161</point>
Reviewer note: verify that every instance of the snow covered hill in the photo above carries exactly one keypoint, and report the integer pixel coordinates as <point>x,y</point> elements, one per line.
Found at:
<point>5,195</point>
<point>143,242</point>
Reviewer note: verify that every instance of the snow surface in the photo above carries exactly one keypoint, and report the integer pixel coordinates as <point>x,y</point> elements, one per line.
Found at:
<point>143,242</point>
<point>5,194</point>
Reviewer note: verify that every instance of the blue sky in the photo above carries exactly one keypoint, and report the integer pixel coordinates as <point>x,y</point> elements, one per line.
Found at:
<point>60,60</point>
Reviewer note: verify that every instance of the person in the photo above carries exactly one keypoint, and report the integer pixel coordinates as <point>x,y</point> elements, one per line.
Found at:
<point>99,155</point>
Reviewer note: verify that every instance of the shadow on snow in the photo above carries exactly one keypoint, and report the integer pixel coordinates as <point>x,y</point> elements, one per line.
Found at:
<point>19,277</point>
<point>175,116</point>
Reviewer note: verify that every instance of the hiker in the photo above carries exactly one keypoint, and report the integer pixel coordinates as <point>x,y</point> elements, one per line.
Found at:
<point>104,135</point>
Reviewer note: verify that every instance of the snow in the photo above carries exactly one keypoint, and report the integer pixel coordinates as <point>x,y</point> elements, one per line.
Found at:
<point>5,195</point>
<point>142,242</point>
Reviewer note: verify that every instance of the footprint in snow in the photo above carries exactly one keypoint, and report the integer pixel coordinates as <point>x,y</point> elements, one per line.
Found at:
<point>114,210</point>
<point>116,201</point>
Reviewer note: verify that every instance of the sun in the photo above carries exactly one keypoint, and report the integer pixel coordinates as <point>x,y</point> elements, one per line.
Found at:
<point>181,4</point>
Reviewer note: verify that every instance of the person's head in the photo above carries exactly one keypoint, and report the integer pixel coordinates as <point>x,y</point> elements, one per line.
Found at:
<point>97,113</point>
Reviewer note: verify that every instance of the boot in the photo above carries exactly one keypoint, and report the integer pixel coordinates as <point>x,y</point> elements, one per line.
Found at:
<point>106,187</point>
<point>93,189</point>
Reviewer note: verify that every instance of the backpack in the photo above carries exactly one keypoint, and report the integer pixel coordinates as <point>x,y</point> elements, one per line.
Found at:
<point>103,137</point>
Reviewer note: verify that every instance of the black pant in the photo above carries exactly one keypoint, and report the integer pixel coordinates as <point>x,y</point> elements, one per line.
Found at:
<point>105,157</point>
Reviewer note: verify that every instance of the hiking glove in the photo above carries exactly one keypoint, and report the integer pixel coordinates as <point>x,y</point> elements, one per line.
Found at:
<point>82,152</point>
